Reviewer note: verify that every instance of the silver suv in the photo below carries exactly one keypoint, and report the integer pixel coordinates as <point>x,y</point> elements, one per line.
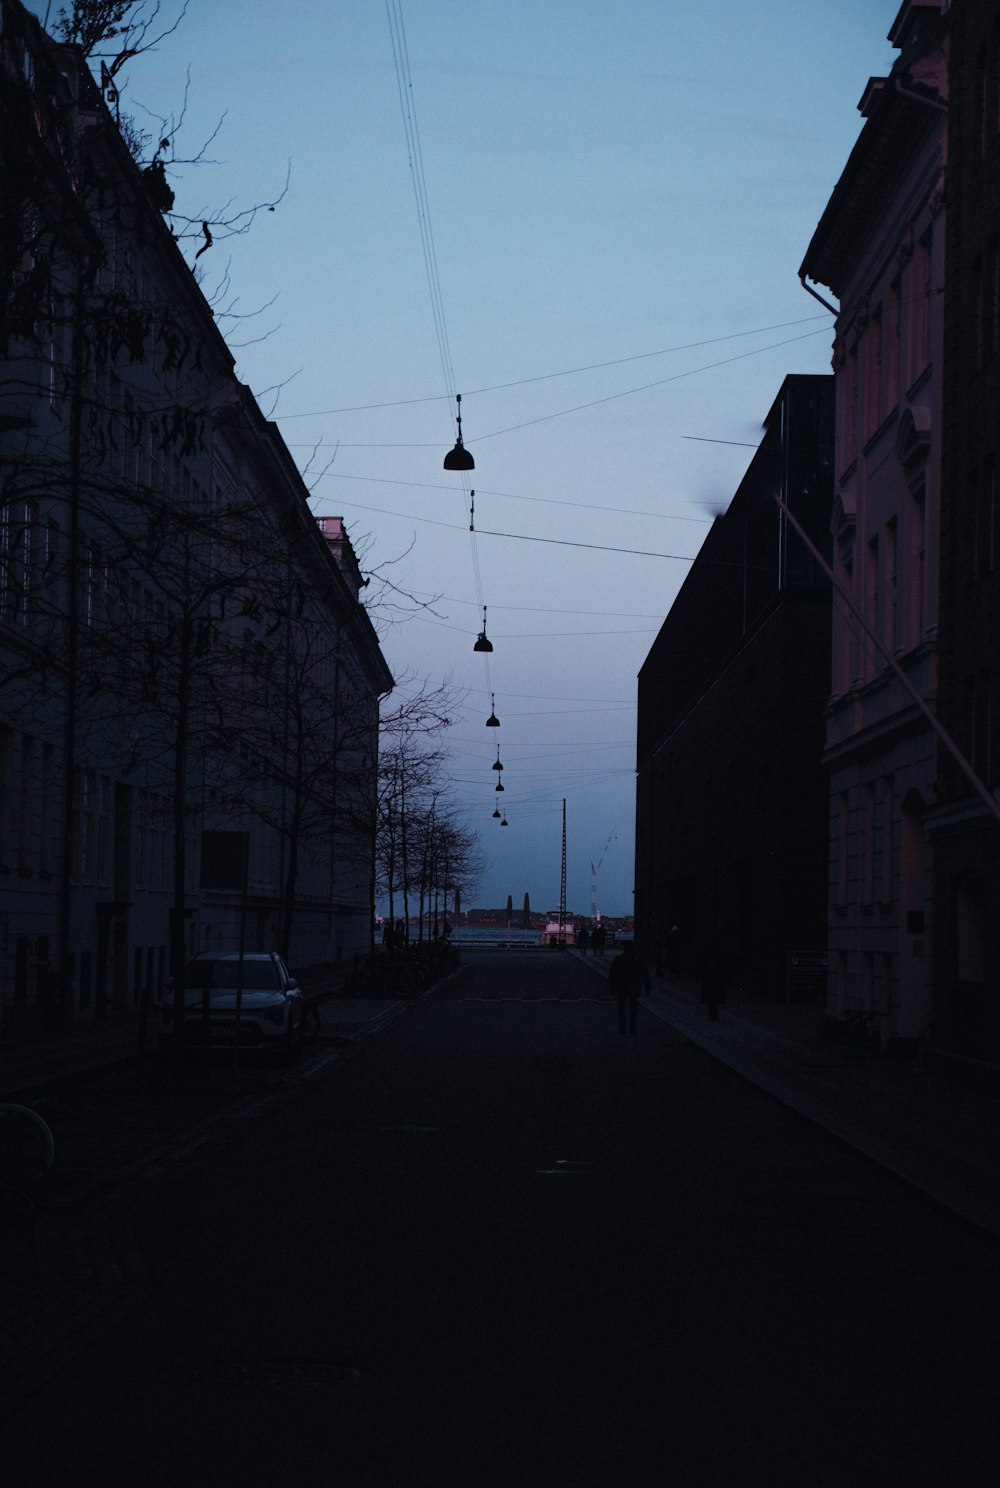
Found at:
<point>271,1002</point>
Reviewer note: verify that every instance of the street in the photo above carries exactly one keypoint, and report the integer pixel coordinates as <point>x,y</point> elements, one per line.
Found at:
<point>501,1244</point>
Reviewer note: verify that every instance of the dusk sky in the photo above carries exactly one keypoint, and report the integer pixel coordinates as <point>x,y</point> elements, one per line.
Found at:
<point>618,201</point>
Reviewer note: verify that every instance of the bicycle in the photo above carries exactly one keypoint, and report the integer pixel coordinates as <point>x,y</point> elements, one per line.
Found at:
<point>27,1150</point>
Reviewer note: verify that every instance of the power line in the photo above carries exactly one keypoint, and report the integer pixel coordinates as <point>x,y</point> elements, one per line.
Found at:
<point>525,537</point>
<point>600,506</point>
<point>549,376</point>
<point>661,382</point>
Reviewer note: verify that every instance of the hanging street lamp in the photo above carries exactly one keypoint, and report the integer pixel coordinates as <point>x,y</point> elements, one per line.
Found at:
<point>482,643</point>
<point>459,458</point>
<point>493,721</point>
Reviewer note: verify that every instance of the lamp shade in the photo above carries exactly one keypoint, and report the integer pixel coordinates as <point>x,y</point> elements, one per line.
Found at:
<point>459,458</point>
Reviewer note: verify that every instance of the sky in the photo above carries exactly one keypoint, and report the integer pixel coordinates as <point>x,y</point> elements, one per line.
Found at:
<point>602,257</point>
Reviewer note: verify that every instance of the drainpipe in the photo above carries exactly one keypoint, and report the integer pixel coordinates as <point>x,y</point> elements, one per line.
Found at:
<point>934,103</point>
<point>816,296</point>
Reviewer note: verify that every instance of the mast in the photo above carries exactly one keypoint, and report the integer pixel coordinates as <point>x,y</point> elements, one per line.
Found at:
<point>562,880</point>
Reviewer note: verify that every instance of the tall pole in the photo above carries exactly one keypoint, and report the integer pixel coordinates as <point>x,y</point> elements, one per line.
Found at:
<point>562,880</point>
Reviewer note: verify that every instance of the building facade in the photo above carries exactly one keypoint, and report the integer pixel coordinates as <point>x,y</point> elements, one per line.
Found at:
<point>190,684</point>
<point>962,826</point>
<point>880,249</point>
<point>731,796</point>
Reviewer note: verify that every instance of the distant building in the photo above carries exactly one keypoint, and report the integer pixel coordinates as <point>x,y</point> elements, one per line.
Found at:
<point>731,794</point>
<point>880,248</point>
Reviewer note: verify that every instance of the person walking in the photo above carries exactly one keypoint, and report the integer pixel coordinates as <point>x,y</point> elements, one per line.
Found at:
<point>714,978</point>
<point>628,977</point>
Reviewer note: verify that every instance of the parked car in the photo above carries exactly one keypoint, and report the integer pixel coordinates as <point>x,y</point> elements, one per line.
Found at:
<point>272,1006</point>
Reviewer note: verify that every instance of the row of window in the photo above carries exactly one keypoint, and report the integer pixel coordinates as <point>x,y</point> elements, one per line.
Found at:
<point>986,97</point>
<point>872,987</point>
<point>866,840</point>
<point>885,353</point>
<point>983,535</point>
<point>32,827</point>
<point>892,605</point>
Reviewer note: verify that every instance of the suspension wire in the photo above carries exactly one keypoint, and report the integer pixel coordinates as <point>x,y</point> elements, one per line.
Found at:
<point>404,86</point>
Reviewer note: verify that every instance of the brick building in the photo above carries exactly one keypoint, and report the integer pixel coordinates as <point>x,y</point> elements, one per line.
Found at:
<point>879,247</point>
<point>962,827</point>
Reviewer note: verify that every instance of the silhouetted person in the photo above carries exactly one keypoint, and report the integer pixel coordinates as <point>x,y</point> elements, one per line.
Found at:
<point>628,978</point>
<point>583,939</point>
<point>598,940</point>
<point>714,978</point>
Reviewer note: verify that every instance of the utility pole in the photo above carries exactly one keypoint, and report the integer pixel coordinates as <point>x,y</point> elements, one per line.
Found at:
<point>562,881</point>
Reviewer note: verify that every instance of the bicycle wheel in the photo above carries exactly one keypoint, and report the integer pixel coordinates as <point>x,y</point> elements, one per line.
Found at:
<point>27,1146</point>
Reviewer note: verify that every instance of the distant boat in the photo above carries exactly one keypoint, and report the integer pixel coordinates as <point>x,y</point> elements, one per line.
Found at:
<point>556,934</point>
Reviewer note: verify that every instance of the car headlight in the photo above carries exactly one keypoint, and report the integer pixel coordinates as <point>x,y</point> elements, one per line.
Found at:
<point>274,1015</point>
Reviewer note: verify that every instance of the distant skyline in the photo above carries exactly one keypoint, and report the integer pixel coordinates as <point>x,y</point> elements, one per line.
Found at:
<point>617,204</point>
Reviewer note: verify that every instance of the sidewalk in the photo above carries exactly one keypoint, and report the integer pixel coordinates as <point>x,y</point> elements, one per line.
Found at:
<point>39,1059</point>
<point>940,1139</point>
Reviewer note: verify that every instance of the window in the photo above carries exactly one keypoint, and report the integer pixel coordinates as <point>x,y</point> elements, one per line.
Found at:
<point>873,600</point>
<point>892,635</point>
<point>6,753</point>
<point>88,834</point>
<point>28,800</point>
<point>986,517</point>
<point>50,825</point>
<point>921,297</point>
<point>843,813</point>
<point>980,122</point>
<point>916,547</point>
<point>18,561</point>
<point>887,844</point>
<point>140,840</point>
<point>103,828</point>
<point>847,432</point>
<point>979,691</point>
<point>868,828</point>
<point>6,562</point>
<point>86,983</point>
<point>894,334</point>
<point>873,372</point>
<point>987,338</point>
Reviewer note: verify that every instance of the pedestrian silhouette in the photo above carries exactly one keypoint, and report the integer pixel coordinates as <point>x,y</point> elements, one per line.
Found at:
<point>627,978</point>
<point>583,939</point>
<point>714,978</point>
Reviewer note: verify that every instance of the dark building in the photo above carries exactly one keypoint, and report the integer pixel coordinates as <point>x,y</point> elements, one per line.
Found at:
<point>731,828</point>
<point>962,826</point>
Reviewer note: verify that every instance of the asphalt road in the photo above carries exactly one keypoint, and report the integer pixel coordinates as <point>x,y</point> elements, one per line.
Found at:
<point>500,1244</point>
